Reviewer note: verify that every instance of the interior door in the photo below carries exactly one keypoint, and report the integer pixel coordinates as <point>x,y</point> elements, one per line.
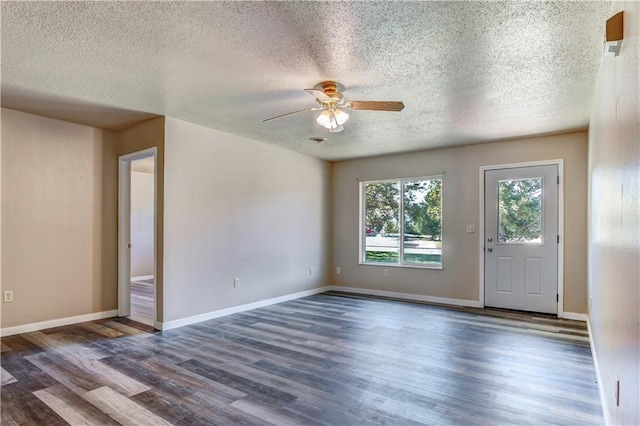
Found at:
<point>521,238</point>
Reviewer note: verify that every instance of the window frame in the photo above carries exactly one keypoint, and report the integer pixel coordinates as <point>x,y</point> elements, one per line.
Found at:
<point>362,225</point>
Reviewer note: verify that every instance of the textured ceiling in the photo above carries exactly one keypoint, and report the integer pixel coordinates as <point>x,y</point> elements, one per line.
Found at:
<point>467,71</point>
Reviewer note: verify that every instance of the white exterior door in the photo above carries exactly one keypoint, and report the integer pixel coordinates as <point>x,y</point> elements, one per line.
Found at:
<point>521,238</point>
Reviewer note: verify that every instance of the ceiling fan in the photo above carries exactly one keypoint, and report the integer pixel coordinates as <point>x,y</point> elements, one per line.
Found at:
<point>331,100</point>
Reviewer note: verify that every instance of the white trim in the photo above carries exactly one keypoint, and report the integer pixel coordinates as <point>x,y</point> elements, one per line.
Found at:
<point>403,265</point>
<point>576,316</point>
<point>481,239</point>
<point>603,399</point>
<point>236,309</point>
<point>124,234</point>
<point>408,296</point>
<point>363,235</point>
<point>124,229</point>
<point>26,328</point>
<point>142,277</point>
<point>561,234</point>
<point>558,162</point>
<point>361,223</point>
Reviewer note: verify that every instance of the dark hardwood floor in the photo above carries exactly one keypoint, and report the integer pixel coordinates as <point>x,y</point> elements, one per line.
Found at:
<point>328,359</point>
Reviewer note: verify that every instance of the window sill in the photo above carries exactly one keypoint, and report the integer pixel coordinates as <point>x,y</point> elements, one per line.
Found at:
<point>395,265</point>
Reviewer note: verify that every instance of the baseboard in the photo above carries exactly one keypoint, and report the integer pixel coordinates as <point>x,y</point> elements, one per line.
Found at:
<point>27,328</point>
<point>574,316</point>
<point>236,309</point>
<point>409,296</point>
<point>142,277</point>
<point>596,366</point>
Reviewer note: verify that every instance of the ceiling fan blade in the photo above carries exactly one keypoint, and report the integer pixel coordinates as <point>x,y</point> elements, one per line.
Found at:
<point>375,105</point>
<point>290,113</point>
<point>319,95</point>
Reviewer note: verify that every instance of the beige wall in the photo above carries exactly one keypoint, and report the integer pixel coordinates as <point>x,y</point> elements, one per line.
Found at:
<point>56,236</point>
<point>1,286</point>
<point>148,135</point>
<point>459,277</point>
<point>141,223</point>
<point>614,223</point>
<point>239,208</point>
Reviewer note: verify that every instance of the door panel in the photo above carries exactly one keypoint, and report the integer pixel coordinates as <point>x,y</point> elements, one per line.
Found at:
<point>533,275</point>
<point>505,284</point>
<point>521,247</point>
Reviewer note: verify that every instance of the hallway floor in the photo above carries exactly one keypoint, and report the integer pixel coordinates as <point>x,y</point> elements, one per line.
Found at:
<point>142,301</point>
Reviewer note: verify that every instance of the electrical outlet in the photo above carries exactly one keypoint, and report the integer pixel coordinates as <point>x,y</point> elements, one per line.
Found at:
<point>386,272</point>
<point>471,229</point>
<point>7,296</point>
<point>236,282</point>
<point>338,270</point>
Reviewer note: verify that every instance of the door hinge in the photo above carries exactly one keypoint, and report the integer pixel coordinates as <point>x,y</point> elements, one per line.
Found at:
<point>557,297</point>
<point>558,239</point>
<point>558,180</point>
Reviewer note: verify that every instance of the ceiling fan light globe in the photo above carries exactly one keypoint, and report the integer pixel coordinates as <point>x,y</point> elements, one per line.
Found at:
<point>326,120</point>
<point>341,116</point>
<point>331,120</point>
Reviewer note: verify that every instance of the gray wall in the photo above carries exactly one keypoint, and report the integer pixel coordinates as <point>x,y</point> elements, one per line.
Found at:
<point>614,223</point>
<point>239,208</point>
<point>459,277</point>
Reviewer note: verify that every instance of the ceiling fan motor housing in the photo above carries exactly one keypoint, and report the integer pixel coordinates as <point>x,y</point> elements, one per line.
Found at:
<point>331,89</point>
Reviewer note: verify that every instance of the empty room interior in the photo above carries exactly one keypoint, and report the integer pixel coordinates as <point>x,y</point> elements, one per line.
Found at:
<point>320,213</point>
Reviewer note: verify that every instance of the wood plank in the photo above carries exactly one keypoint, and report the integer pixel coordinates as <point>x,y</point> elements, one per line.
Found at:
<point>27,411</point>
<point>73,409</point>
<point>29,378</point>
<point>235,381</point>
<point>6,377</point>
<point>272,414</point>
<point>101,329</point>
<point>197,382</point>
<point>130,328</point>
<point>122,409</point>
<point>4,347</point>
<point>82,375</point>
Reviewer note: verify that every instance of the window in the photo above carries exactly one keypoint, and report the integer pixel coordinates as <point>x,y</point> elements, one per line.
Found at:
<point>520,211</point>
<point>402,222</point>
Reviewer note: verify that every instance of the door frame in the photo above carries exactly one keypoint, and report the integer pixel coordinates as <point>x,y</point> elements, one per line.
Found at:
<point>481,236</point>
<point>124,229</point>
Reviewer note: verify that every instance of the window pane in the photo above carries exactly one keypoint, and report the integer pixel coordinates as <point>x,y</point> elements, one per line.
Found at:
<point>520,211</point>
<point>382,217</point>
<point>423,222</point>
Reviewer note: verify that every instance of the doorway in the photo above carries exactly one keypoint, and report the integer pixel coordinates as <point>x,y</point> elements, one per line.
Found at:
<point>136,236</point>
<point>521,238</point>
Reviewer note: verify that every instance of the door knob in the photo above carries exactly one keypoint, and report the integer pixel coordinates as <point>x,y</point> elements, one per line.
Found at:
<point>490,250</point>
